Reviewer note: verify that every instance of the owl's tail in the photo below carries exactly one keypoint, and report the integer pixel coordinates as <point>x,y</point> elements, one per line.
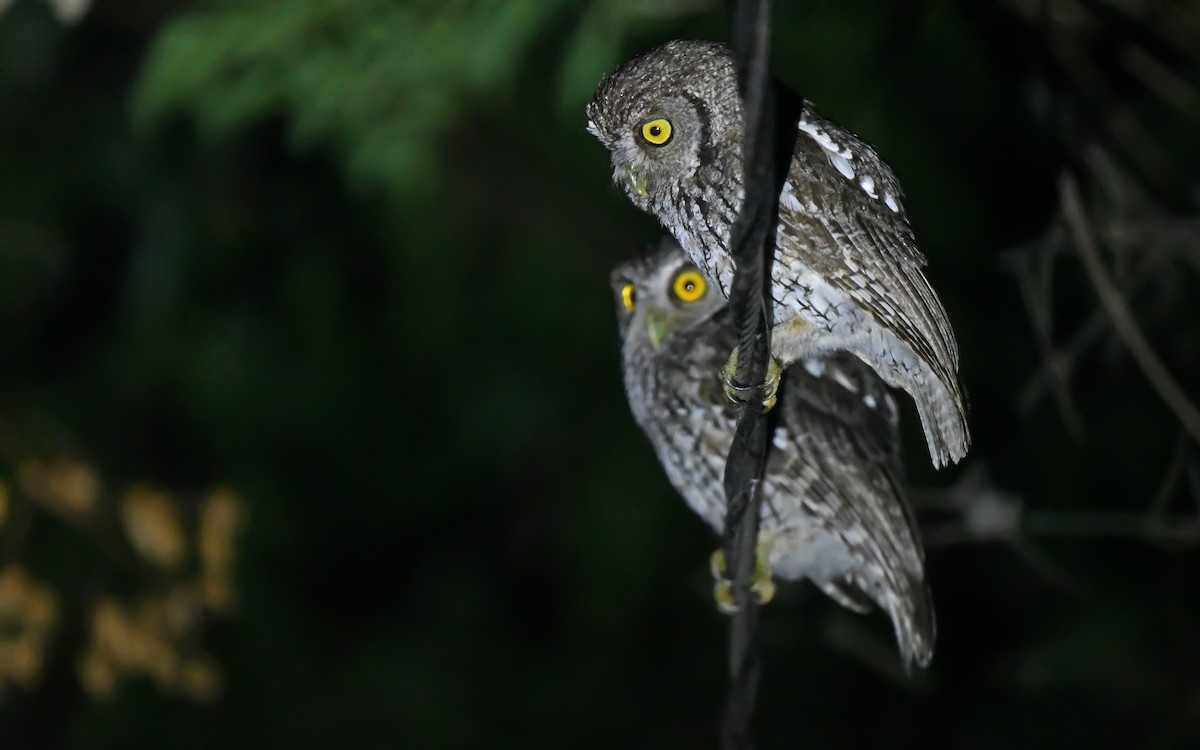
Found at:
<point>908,603</point>
<point>916,627</point>
<point>943,417</point>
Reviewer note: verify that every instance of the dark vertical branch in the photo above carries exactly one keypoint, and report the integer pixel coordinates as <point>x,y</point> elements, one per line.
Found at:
<point>751,243</point>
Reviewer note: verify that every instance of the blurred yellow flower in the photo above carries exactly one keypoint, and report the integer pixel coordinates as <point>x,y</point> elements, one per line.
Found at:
<point>151,521</point>
<point>97,675</point>
<point>151,639</point>
<point>65,487</point>
<point>161,662</point>
<point>26,602</point>
<point>180,610</point>
<point>219,593</point>
<point>14,584</point>
<point>113,635</point>
<point>41,608</point>
<point>8,660</point>
<point>28,610</point>
<point>200,679</point>
<point>155,636</point>
<point>222,516</point>
<point>27,661</point>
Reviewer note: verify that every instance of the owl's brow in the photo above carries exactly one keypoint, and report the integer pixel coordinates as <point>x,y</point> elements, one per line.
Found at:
<point>706,152</point>
<point>684,267</point>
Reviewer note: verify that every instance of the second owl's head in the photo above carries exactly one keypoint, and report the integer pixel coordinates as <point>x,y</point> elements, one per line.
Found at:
<point>666,117</point>
<point>660,296</point>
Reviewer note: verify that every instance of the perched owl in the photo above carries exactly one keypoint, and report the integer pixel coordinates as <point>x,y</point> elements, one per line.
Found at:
<point>846,275</point>
<point>833,507</point>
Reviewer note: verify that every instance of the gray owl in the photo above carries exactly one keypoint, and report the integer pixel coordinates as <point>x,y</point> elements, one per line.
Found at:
<point>833,507</point>
<point>847,274</point>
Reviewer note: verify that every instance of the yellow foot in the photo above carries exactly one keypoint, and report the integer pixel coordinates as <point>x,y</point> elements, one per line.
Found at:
<point>762,588</point>
<point>739,394</point>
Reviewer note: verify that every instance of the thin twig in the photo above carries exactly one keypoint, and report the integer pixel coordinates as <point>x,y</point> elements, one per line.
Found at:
<point>1123,323</point>
<point>1158,526</point>
<point>1055,365</point>
<point>1055,373</point>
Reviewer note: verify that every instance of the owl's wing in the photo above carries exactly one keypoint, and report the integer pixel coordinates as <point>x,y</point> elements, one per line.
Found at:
<point>843,421</point>
<point>848,422</point>
<point>840,215</point>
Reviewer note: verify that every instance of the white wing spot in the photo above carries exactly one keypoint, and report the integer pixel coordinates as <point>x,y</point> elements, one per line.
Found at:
<point>840,378</point>
<point>869,400</point>
<point>838,156</point>
<point>822,138</point>
<point>815,367</point>
<point>788,199</point>
<point>842,158</point>
<point>842,164</point>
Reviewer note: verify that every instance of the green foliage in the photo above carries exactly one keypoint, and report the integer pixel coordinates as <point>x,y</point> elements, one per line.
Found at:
<point>379,80</point>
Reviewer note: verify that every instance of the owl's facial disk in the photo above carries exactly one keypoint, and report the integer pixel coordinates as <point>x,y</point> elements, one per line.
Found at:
<point>656,151</point>
<point>668,119</point>
<point>654,142</point>
<point>660,296</point>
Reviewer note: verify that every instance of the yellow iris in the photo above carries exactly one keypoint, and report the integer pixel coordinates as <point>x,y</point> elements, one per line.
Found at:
<point>627,296</point>
<point>690,286</point>
<point>657,131</point>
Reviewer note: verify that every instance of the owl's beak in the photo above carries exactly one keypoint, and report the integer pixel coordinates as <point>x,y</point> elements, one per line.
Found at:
<point>637,181</point>
<point>657,327</point>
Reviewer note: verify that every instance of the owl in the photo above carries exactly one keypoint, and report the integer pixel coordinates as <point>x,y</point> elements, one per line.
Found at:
<point>833,506</point>
<point>846,274</point>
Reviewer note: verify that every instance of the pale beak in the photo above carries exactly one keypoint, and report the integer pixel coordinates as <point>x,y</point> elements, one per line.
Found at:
<point>657,327</point>
<point>637,181</point>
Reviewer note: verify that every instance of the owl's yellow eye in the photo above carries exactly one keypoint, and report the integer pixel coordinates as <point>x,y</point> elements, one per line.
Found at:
<point>657,132</point>
<point>627,292</point>
<point>690,286</point>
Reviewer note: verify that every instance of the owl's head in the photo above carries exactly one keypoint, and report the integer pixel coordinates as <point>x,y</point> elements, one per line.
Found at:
<point>667,115</point>
<point>662,296</point>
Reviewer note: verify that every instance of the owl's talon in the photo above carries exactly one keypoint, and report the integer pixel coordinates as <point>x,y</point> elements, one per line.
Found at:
<point>762,587</point>
<point>723,595</point>
<point>740,394</point>
<point>763,591</point>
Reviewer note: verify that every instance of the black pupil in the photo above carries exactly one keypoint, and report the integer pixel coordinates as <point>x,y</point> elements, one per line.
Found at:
<point>690,286</point>
<point>655,131</point>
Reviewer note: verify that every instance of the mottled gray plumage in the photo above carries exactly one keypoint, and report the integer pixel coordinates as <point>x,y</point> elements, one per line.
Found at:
<point>833,505</point>
<point>847,274</point>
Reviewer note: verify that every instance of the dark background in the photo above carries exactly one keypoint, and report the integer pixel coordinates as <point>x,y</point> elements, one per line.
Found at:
<point>351,259</point>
